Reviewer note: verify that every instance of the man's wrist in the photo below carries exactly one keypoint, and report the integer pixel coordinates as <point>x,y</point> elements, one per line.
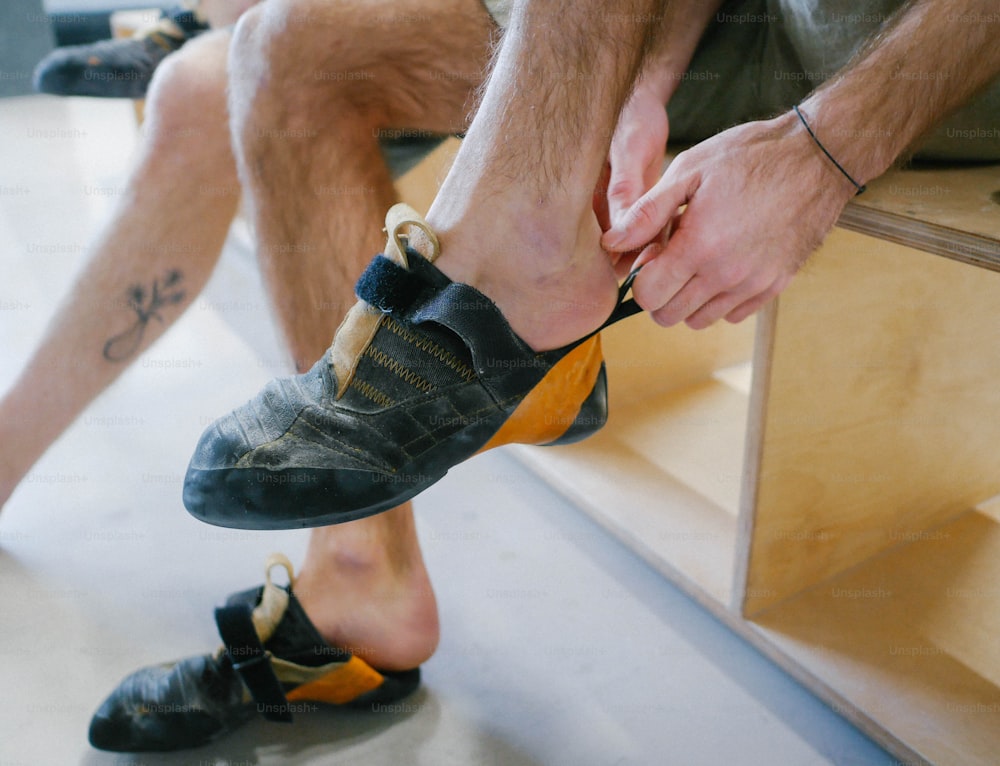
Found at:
<point>859,187</point>
<point>863,150</point>
<point>803,148</point>
<point>924,64</point>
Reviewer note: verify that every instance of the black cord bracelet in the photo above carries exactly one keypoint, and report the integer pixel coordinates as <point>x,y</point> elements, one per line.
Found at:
<point>859,187</point>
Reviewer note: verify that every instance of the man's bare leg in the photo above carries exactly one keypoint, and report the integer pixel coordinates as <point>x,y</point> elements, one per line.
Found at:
<point>514,215</point>
<point>366,589</point>
<point>152,259</point>
<point>319,84</point>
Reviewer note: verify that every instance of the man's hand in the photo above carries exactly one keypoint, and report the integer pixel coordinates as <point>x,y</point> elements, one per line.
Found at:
<point>760,198</point>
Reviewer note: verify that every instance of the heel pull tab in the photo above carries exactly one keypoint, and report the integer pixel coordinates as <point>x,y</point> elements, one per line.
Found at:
<point>624,308</point>
<point>400,217</point>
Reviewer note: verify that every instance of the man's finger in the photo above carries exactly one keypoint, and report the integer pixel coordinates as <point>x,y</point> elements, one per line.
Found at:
<point>716,308</point>
<point>686,302</point>
<point>659,281</point>
<point>647,216</point>
<point>756,303</point>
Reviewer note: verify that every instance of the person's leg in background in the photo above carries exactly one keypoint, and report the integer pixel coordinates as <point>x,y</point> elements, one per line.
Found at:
<point>151,260</point>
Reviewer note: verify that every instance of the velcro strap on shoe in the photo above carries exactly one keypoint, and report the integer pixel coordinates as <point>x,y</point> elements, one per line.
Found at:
<point>388,286</point>
<point>252,661</point>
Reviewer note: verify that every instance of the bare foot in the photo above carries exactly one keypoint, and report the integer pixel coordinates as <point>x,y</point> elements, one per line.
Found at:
<point>365,588</point>
<point>554,284</point>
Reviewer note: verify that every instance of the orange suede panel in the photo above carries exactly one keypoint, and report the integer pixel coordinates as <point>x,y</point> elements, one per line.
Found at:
<point>552,406</point>
<point>345,684</point>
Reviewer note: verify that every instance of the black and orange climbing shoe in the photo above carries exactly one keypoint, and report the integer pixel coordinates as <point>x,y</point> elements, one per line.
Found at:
<point>273,664</point>
<point>423,373</point>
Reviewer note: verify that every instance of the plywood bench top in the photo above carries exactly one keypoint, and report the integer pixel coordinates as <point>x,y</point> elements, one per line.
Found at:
<point>948,210</point>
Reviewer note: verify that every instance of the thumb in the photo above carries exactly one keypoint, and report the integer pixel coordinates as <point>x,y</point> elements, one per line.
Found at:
<point>626,182</point>
<point>645,218</point>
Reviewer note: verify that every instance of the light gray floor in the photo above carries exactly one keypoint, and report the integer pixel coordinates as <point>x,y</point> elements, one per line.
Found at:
<point>559,647</point>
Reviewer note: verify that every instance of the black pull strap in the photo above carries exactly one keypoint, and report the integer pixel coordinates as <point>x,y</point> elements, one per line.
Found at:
<point>252,661</point>
<point>625,308</point>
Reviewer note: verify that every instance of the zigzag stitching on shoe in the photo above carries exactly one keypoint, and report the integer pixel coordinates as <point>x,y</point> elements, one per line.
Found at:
<point>430,347</point>
<point>369,391</point>
<point>380,357</point>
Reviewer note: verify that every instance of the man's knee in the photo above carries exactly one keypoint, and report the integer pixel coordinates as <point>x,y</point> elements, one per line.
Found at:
<point>187,97</point>
<point>302,53</point>
<point>246,51</point>
<point>271,39</point>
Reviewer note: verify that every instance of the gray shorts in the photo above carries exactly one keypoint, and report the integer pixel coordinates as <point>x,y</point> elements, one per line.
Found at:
<point>760,57</point>
<point>786,49</point>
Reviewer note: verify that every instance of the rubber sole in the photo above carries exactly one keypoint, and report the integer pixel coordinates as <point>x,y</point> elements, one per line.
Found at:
<point>297,498</point>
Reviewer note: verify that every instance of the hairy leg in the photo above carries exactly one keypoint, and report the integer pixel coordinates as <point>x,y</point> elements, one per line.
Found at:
<point>514,215</point>
<point>319,83</point>
<point>153,257</point>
